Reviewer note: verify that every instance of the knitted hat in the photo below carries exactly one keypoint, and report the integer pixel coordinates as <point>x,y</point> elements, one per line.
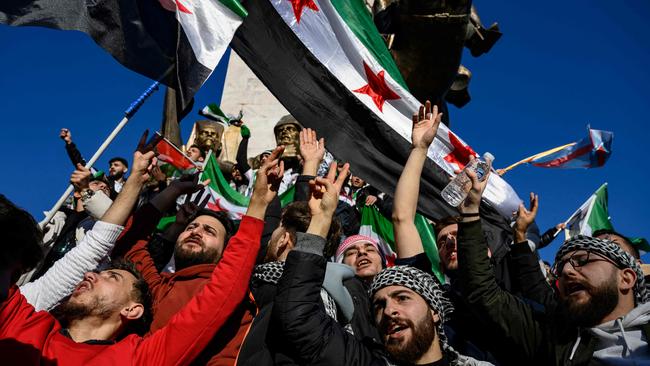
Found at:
<point>357,239</point>
<point>424,285</point>
<point>610,250</point>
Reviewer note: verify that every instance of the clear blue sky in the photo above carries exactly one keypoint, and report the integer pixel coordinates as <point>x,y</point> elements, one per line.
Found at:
<point>559,66</point>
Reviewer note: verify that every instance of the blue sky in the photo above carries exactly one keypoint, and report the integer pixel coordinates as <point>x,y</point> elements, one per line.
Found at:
<point>558,67</point>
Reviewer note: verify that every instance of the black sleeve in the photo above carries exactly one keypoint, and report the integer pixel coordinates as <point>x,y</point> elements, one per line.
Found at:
<point>310,335</point>
<point>302,188</point>
<point>526,273</point>
<point>420,261</point>
<point>74,154</point>
<point>547,237</point>
<point>242,156</point>
<point>161,250</point>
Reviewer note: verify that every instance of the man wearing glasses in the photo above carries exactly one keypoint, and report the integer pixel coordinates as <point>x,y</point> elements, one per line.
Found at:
<point>603,315</point>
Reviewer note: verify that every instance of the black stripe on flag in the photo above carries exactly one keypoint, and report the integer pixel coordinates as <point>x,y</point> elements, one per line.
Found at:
<point>140,34</point>
<point>353,133</point>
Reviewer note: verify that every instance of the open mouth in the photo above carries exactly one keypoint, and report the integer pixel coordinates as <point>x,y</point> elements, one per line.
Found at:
<point>363,263</point>
<point>396,330</point>
<point>574,288</point>
<point>83,287</point>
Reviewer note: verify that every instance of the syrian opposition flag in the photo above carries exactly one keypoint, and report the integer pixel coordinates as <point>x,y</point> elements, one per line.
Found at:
<point>593,215</point>
<point>378,227</point>
<point>223,197</point>
<point>325,61</point>
<point>178,42</point>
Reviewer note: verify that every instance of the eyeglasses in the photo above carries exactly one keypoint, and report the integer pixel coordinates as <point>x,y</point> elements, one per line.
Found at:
<point>579,259</point>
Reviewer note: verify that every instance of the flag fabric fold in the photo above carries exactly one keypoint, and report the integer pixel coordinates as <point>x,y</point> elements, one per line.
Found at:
<point>590,152</point>
<point>225,198</point>
<point>380,228</point>
<point>335,75</point>
<point>178,42</point>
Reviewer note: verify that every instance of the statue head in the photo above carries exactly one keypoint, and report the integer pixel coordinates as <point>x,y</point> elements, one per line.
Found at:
<point>287,133</point>
<point>208,135</point>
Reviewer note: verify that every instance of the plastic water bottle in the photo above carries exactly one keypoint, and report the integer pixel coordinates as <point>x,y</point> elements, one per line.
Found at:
<point>458,188</point>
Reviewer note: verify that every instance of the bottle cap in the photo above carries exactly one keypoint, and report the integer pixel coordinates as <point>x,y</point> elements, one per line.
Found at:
<point>488,157</point>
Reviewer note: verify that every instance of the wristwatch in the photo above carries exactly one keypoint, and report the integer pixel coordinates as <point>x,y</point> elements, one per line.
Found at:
<point>86,194</point>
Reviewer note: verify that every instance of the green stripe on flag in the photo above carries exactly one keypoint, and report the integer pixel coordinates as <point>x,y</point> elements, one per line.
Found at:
<point>383,227</point>
<point>236,7</point>
<point>219,183</point>
<point>356,16</point>
<point>599,215</point>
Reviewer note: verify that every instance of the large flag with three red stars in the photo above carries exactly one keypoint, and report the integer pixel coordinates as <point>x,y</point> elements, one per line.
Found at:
<point>327,64</point>
<point>178,42</point>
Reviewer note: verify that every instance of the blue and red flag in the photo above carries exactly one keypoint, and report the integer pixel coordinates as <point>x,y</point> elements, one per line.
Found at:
<point>590,152</point>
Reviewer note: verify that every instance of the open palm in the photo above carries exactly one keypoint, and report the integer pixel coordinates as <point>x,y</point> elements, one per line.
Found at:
<point>425,125</point>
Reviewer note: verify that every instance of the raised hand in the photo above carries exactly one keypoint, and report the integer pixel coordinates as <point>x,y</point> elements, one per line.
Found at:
<point>312,151</point>
<point>325,198</point>
<point>187,210</point>
<point>187,184</point>
<point>269,177</point>
<point>142,166</point>
<point>65,135</point>
<point>473,200</point>
<point>525,217</point>
<point>80,178</point>
<point>425,126</point>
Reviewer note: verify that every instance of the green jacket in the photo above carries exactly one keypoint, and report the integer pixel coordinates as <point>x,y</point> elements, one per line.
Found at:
<point>520,334</point>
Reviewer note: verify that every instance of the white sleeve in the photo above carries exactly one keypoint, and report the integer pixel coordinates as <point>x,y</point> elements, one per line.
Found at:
<point>97,205</point>
<point>60,280</point>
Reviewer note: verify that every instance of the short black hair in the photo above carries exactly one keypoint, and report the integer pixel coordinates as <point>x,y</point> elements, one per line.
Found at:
<point>444,222</point>
<point>296,217</point>
<point>140,294</point>
<point>201,152</point>
<point>22,238</point>
<point>120,159</point>
<point>223,218</point>
<point>627,240</point>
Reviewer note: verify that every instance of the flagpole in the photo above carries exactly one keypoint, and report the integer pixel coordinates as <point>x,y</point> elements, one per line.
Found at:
<point>536,156</point>
<point>128,114</point>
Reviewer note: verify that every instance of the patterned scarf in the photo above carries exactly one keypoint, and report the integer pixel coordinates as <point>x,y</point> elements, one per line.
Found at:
<point>610,250</point>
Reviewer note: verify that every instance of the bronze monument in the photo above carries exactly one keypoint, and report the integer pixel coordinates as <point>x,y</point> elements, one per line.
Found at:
<point>287,133</point>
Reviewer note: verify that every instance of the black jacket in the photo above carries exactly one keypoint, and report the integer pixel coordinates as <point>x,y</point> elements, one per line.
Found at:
<point>308,333</point>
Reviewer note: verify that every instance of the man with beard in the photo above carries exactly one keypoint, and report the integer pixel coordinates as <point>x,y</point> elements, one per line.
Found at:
<point>408,306</point>
<point>117,168</point>
<point>603,313</point>
<point>198,251</point>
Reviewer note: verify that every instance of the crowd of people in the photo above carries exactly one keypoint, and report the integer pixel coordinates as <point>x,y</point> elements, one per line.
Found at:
<point>102,283</point>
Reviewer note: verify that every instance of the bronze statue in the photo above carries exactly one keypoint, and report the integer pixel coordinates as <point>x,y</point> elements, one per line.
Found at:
<point>426,39</point>
<point>287,133</point>
<point>207,136</point>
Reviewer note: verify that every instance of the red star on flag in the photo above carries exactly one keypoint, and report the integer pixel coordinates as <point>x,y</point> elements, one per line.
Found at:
<point>460,154</point>
<point>298,5</point>
<point>376,88</point>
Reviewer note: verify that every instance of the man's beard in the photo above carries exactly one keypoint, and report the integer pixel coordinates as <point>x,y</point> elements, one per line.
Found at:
<point>422,336</point>
<point>185,258</point>
<point>69,311</point>
<point>116,175</point>
<point>602,302</point>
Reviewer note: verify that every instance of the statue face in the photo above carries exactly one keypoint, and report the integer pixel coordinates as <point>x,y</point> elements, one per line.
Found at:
<point>208,137</point>
<point>287,135</point>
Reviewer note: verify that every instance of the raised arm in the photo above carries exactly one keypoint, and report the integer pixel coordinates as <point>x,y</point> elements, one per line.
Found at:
<point>60,280</point>
<point>193,327</point>
<point>516,333</point>
<point>425,126</point>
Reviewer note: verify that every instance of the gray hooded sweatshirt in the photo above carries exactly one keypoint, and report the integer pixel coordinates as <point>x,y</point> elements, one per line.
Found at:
<point>621,341</point>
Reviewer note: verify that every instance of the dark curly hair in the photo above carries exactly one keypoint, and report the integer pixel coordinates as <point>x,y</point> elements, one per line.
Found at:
<point>296,218</point>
